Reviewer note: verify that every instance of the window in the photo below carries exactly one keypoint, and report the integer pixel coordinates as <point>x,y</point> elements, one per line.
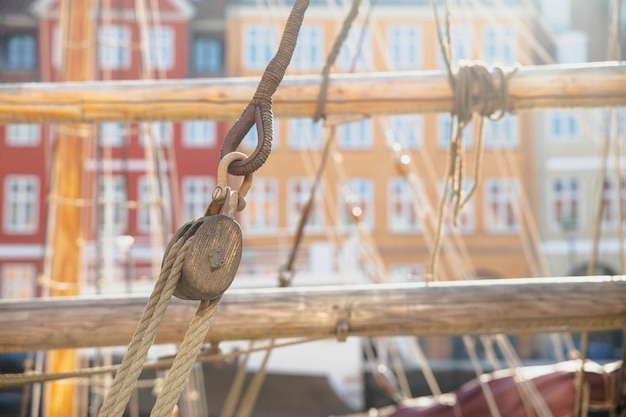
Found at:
<point>199,134</point>
<point>22,135</point>
<point>113,212</point>
<point>157,133</point>
<point>406,273</point>
<point>147,199</point>
<point>308,53</point>
<point>114,47</point>
<point>18,281</point>
<point>405,47</point>
<point>501,200</point>
<point>17,52</point>
<point>500,45</point>
<point>406,130</point>
<point>259,46</point>
<point>261,213</point>
<point>356,203</point>
<point>356,50</point>
<point>304,134</point>
<point>566,203</point>
<point>299,190</point>
<point>609,201</point>
<point>21,204</point>
<point>465,220</point>
<point>207,55</point>
<point>197,195</point>
<point>563,125</point>
<point>461,45</point>
<point>112,134</point>
<point>161,48</point>
<point>357,135</point>
<point>443,132</point>
<point>501,134</point>
<point>403,206</point>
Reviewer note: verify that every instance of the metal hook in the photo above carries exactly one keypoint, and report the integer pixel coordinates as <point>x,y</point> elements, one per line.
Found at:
<point>222,190</point>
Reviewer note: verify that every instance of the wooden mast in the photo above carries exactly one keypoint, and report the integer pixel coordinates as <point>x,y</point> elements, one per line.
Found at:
<point>532,87</point>
<point>66,189</point>
<point>512,306</point>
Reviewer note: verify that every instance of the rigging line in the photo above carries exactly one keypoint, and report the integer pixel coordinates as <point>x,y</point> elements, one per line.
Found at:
<point>398,368</point>
<point>10,380</point>
<point>470,347</point>
<point>286,273</point>
<point>580,376</point>
<point>234,393</point>
<point>332,57</point>
<point>252,393</point>
<point>427,371</point>
<point>527,387</point>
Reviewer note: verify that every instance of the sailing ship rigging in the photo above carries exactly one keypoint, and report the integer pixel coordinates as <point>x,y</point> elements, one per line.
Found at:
<point>413,181</point>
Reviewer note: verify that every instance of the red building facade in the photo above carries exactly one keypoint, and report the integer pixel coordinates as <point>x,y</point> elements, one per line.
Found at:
<point>141,181</point>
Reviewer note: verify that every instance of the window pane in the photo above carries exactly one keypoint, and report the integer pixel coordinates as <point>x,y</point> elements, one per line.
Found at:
<point>21,204</point>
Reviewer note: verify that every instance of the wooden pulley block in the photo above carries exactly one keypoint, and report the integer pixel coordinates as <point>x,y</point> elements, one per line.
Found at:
<point>212,260</point>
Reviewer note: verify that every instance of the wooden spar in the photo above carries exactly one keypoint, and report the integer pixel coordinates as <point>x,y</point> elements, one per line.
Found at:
<point>67,185</point>
<point>532,87</point>
<point>538,305</point>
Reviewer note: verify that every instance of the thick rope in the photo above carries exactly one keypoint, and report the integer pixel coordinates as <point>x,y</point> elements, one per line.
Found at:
<point>186,357</point>
<point>260,108</point>
<point>132,364</point>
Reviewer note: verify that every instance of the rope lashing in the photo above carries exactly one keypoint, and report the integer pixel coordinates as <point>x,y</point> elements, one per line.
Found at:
<point>477,89</point>
<point>259,110</point>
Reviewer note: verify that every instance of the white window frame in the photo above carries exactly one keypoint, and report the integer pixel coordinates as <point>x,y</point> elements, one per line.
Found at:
<point>356,193</point>
<point>443,132</point>
<point>501,134</point>
<point>23,134</point>
<point>406,219</point>
<point>308,55</point>
<point>298,193</point>
<point>114,47</point>
<point>161,43</point>
<point>305,134</point>
<point>199,134</point>
<point>112,134</point>
<point>261,214</point>
<point>499,44</point>
<point>354,45</point>
<point>355,135</point>
<point>405,47</point>
<point>407,130</point>
<point>568,122</point>
<point>113,197</point>
<point>146,201</point>
<point>21,205</point>
<point>197,194</point>
<point>260,42</point>
<point>566,196</point>
<point>507,198</point>
<point>18,281</point>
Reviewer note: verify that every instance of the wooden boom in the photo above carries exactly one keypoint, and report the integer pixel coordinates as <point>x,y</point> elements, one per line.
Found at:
<point>538,305</point>
<point>532,87</point>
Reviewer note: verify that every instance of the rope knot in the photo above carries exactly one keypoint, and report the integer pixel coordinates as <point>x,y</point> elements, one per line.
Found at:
<point>480,89</point>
